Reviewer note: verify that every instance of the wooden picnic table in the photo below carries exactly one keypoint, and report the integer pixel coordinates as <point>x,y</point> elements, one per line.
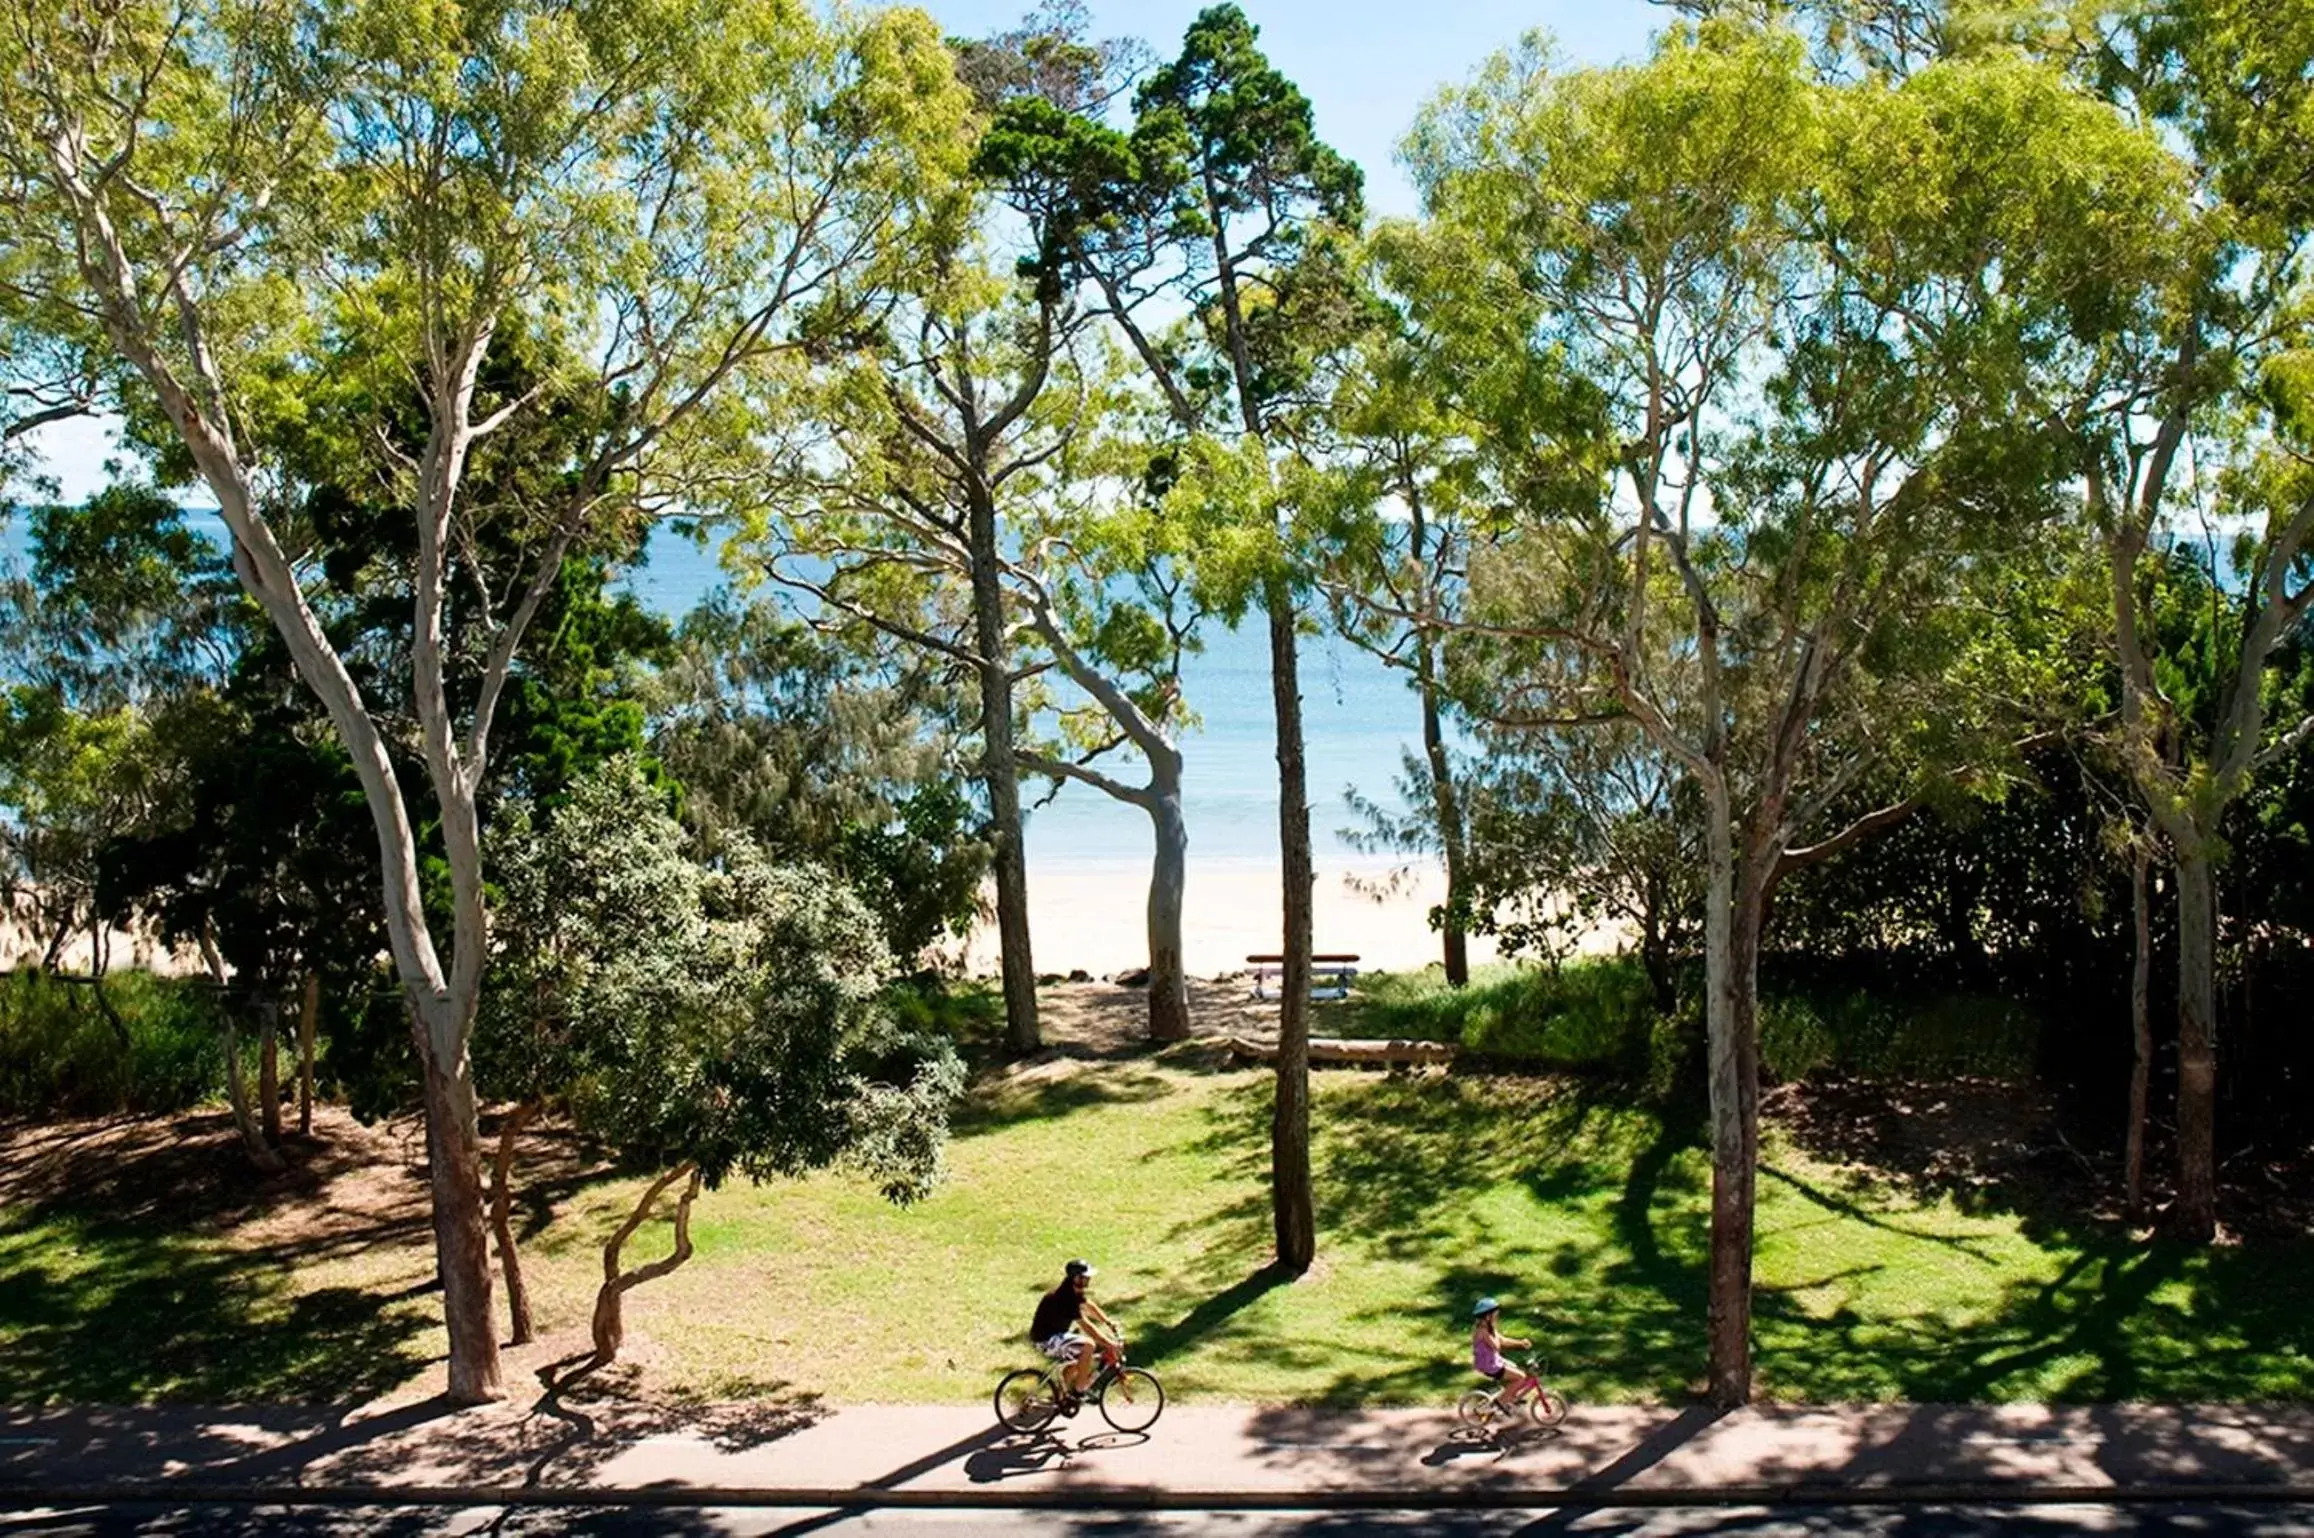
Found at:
<point>1340,966</point>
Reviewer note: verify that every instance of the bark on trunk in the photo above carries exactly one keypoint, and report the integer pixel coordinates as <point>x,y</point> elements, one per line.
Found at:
<point>610,1319</point>
<point>261,1153</point>
<point>1000,776</point>
<point>1293,1208</point>
<point>112,1016</point>
<point>502,1224</point>
<point>308,1020</point>
<point>1655,961</point>
<point>99,963</point>
<point>269,577</point>
<point>461,1236</point>
<point>2197,1064</point>
<point>2140,1028</point>
<point>1168,876</point>
<point>269,1068</point>
<point>1731,965</point>
<point>1446,806</point>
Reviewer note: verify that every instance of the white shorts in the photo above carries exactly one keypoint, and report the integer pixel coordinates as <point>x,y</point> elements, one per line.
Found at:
<point>1062,1347</point>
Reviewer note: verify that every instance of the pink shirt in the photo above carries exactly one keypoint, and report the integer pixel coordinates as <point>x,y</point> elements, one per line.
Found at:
<point>1484,1354</point>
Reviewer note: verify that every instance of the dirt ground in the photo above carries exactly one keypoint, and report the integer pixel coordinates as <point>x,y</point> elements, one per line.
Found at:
<point>1104,1020</point>
<point>349,1184</point>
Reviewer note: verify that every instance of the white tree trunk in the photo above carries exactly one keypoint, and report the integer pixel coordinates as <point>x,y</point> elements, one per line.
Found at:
<point>1168,877</point>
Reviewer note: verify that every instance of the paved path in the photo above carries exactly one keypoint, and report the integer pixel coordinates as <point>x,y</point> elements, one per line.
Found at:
<point>1200,1454</point>
<point>145,1519</point>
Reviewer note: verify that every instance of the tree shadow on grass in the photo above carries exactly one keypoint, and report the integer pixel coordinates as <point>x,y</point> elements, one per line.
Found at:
<point>1609,1275</point>
<point>137,1313</point>
<point>2121,1320</point>
<point>1154,1345</point>
<point>1400,1163</point>
<point>1052,1089</point>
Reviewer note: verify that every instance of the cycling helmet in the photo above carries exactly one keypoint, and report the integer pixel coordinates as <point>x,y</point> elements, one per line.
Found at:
<point>1078,1268</point>
<point>1484,1307</point>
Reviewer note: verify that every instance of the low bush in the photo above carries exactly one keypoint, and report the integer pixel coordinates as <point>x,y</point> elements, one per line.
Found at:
<point>1889,1018</point>
<point>61,1055</point>
<point>1599,1017</point>
<point>1594,1016</point>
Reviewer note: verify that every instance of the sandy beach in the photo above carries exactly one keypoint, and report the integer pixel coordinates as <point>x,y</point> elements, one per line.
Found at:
<point>1093,917</point>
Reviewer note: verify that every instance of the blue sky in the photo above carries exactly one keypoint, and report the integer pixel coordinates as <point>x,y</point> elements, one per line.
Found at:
<point>1367,65</point>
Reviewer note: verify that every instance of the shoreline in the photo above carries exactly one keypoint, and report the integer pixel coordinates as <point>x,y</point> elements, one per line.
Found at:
<point>1091,916</point>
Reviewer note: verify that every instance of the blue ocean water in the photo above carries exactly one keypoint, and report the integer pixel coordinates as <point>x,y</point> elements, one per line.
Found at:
<point>1359,718</point>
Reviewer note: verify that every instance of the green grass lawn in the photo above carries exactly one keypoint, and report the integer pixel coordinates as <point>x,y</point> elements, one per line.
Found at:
<point>1586,1215</point>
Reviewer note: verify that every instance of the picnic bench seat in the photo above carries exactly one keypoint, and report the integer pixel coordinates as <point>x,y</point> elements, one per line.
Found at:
<point>1330,974</point>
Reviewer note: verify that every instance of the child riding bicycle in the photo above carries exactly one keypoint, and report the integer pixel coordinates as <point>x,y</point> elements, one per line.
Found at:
<point>1486,1348</point>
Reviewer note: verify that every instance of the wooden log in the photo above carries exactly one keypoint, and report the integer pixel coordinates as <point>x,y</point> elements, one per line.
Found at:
<point>1338,1050</point>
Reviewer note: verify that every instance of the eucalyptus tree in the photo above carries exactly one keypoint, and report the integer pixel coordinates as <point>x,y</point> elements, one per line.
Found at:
<point>237,207</point>
<point>981,505</point>
<point>950,421</point>
<point>938,423</point>
<point>1111,601</point>
<point>1812,317</point>
<point>2198,442</point>
<point>2193,421</point>
<point>1231,204</point>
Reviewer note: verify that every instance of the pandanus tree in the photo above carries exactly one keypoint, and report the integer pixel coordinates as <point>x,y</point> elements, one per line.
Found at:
<point>234,209</point>
<point>1814,317</point>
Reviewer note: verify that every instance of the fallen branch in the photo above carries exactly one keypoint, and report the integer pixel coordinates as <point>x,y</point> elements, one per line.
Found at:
<point>1338,1050</point>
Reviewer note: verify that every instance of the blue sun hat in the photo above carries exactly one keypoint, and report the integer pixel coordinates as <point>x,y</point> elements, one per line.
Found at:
<point>1484,1307</point>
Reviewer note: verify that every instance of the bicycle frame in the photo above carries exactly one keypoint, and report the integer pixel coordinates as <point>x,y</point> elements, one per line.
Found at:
<point>1509,1398</point>
<point>1545,1406</point>
<point>1049,1396</point>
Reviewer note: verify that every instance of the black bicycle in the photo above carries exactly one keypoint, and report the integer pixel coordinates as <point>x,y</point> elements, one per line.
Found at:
<point>1129,1398</point>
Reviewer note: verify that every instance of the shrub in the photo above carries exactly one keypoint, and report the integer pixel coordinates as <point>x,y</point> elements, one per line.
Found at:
<point>59,1055</point>
<point>1588,1015</point>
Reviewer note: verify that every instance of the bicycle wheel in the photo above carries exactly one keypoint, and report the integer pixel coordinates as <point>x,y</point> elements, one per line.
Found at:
<point>1475,1409</point>
<point>1133,1399</point>
<point>1546,1408</point>
<point>1027,1400</point>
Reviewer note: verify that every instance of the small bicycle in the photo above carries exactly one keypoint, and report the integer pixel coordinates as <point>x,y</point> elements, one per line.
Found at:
<point>1545,1407</point>
<point>1130,1398</point>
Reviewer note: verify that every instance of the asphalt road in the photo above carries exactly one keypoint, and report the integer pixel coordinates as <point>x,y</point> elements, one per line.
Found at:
<point>2183,1521</point>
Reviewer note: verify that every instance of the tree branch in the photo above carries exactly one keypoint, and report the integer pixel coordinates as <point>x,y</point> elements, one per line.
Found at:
<point>1877,821</point>
<point>1061,769</point>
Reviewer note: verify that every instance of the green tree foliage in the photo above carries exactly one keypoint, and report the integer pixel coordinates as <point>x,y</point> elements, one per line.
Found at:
<point>704,1021</point>
<point>819,753</point>
<point>1821,450</point>
<point>122,611</point>
<point>268,205</point>
<point>123,602</point>
<point>68,782</point>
